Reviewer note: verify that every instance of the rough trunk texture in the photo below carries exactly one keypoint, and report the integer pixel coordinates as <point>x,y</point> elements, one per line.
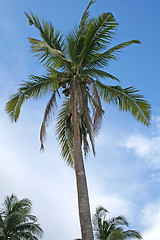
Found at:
<point>83,199</point>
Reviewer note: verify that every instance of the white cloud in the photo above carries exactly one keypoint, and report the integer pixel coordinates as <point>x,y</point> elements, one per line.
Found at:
<point>146,147</point>
<point>151,221</point>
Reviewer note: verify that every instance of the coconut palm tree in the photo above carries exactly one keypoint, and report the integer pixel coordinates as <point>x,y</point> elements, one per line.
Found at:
<point>75,67</point>
<point>113,228</point>
<point>16,222</point>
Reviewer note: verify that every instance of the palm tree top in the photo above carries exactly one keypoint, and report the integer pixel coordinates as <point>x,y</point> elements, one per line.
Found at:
<point>16,220</point>
<point>113,228</point>
<point>82,56</point>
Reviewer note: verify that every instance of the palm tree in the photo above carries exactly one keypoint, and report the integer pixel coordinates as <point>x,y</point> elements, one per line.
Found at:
<point>111,229</point>
<point>75,67</point>
<point>16,222</point>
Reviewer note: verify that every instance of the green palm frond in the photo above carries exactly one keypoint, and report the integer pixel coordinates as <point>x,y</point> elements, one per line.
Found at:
<point>92,72</point>
<point>127,99</point>
<point>35,88</point>
<point>97,37</point>
<point>33,228</point>
<point>64,131</point>
<point>53,38</point>
<point>102,59</point>
<point>49,109</point>
<point>116,221</point>
<point>76,38</point>
<point>132,234</point>
<point>116,234</point>
<point>25,203</point>
<point>49,55</point>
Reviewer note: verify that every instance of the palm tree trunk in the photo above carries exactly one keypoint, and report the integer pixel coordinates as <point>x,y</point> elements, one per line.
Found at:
<point>83,199</point>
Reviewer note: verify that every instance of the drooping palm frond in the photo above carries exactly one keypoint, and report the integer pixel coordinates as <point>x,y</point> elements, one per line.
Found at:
<point>85,121</point>
<point>132,234</point>
<point>96,106</point>
<point>127,99</point>
<point>64,131</point>
<point>49,109</point>
<point>116,234</point>
<point>35,88</point>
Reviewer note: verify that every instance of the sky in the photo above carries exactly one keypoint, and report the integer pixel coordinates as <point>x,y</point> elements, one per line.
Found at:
<point>124,177</point>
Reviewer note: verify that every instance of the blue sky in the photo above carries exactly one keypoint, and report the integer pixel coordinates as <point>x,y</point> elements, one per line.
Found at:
<point>124,176</point>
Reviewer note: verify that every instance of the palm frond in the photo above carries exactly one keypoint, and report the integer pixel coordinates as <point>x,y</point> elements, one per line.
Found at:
<point>76,37</point>
<point>49,109</point>
<point>49,55</point>
<point>85,121</point>
<point>36,87</point>
<point>117,223</point>
<point>127,99</point>
<point>25,203</point>
<point>64,131</point>
<point>98,35</point>
<point>132,234</point>
<point>116,234</point>
<point>111,229</point>
<point>96,107</point>
<point>102,59</point>
<point>33,228</point>
<point>92,72</point>
<point>53,38</point>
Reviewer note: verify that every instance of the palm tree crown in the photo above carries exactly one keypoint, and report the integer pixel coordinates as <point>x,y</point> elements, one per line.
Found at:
<point>82,56</point>
<point>112,229</point>
<point>16,222</point>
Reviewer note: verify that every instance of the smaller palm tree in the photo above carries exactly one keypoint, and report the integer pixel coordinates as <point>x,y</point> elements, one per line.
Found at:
<point>111,229</point>
<point>16,222</point>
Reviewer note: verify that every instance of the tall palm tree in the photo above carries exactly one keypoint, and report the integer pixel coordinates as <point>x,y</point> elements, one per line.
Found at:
<point>16,222</point>
<point>75,66</point>
<point>113,228</point>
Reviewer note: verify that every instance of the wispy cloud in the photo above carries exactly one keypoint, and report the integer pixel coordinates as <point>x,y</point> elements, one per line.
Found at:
<point>150,220</point>
<point>146,147</point>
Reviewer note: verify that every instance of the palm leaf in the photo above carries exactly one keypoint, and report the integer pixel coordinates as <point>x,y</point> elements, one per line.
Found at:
<point>50,107</point>
<point>49,55</point>
<point>132,234</point>
<point>102,59</point>
<point>127,99</point>
<point>35,88</point>
<point>98,35</point>
<point>92,72</point>
<point>116,234</point>
<point>64,132</point>
<point>53,38</point>
<point>76,37</point>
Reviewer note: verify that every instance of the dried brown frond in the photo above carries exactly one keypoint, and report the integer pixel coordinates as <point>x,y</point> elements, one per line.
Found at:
<point>96,107</point>
<point>47,114</point>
